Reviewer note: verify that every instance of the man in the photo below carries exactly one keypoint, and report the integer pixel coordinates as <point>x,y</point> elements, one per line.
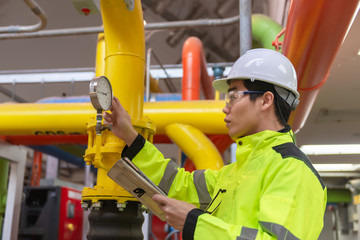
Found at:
<point>272,191</point>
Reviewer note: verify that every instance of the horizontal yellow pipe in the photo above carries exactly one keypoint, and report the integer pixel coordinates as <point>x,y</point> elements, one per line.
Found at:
<point>195,145</point>
<point>205,115</point>
<point>31,118</point>
<point>70,118</point>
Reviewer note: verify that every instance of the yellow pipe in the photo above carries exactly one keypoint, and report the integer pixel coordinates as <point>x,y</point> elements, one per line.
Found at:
<point>122,58</point>
<point>195,145</point>
<point>154,85</point>
<point>32,118</point>
<point>205,115</point>
<point>37,118</point>
<point>125,53</point>
<point>100,56</point>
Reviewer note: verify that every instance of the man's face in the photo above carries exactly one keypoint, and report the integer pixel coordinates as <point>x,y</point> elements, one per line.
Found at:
<point>242,117</point>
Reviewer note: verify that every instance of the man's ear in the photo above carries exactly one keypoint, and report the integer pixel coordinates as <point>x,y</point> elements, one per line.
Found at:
<point>267,100</point>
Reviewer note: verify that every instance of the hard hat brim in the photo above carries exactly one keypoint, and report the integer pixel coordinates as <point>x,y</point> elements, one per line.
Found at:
<point>221,85</point>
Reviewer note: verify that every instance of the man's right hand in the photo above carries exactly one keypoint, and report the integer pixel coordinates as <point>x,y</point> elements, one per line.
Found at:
<point>121,122</point>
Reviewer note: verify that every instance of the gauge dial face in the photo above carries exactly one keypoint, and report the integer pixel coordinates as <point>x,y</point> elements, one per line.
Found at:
<point>101,93</point>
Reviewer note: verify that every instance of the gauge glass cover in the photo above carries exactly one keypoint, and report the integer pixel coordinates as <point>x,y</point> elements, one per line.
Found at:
<point>101,93</point>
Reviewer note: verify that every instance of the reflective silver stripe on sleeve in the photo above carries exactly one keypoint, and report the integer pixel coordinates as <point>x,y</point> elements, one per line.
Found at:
<point>201,188</point>
<point>277,230</point>
<point>247,234</point>
<point>168,177</point>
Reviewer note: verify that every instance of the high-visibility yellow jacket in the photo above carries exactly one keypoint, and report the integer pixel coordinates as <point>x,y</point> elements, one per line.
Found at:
<point>272,191</point>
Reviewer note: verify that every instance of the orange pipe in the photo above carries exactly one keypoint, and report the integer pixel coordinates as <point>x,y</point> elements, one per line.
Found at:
<point>315,31</point>
<point>36,169</point>
<point>194,71</point>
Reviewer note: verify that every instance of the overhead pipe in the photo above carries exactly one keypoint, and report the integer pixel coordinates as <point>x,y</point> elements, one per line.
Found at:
<point>51,137</point>
<point>71,118</point>
<point>195,145</point>
<point>245,12</point>
<point>265,30</point>
<point>194,71</point>
<point>33,28</point>
<point>148,26</point>
<point>314,33</point>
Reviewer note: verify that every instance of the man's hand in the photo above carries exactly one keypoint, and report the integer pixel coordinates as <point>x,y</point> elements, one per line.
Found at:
<point>121,122</point>
<point>176,211</point>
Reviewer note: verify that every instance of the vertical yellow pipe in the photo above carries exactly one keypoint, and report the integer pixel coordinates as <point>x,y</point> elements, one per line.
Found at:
<point>121,58</point>
<point>125,53</point>
<point>100,56</point>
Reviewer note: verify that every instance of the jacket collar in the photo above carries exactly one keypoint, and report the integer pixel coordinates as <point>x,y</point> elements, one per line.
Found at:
<point>256,142</point>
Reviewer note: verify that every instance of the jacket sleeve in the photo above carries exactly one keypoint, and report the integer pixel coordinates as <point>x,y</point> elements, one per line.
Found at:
<point>291,206</point>
<point>195,187</point>
<point>201,225</point>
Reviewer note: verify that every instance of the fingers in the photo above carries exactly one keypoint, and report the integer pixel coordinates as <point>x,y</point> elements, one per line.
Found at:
<point>160,199</point>
<point>116,105</point>
<point>116,102</point>
<point>107,118</point>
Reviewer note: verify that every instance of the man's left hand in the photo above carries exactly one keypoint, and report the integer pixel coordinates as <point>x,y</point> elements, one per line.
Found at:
<point>176,211</point>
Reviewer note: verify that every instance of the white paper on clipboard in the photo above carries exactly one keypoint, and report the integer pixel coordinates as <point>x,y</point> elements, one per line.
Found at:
<point>128,176</point>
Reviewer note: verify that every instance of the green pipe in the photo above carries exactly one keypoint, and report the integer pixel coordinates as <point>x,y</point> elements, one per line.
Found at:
<point>264,30</point>
<point>4,171</point>
<point>339,196</point>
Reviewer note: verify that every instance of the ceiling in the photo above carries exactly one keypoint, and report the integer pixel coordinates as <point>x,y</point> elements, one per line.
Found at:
<point>334,118</point>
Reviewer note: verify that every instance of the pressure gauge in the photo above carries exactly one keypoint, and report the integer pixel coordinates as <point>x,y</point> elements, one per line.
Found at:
<point>101,94</point>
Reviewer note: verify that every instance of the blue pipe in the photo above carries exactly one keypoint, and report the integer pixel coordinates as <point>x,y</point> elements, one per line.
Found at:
<point>57,152</point>
<point>76,99</point>
<point>82,99</point>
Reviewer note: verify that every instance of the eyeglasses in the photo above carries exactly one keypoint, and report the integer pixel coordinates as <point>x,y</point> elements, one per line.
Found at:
<point>233,97</point>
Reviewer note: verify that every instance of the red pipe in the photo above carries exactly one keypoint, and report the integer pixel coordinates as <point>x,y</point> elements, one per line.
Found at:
<point>46,139</point>
<point>83,139</point>
<point>194,71</point>
<point>315,31</point>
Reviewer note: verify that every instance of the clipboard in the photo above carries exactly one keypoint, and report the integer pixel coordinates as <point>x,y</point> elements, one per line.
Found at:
<point>128,176</point>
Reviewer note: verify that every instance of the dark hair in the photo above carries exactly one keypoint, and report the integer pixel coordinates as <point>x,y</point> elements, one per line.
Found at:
<point>282,109</point>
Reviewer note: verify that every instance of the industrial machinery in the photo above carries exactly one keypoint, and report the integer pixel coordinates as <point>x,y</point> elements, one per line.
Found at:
<point>51,213</point>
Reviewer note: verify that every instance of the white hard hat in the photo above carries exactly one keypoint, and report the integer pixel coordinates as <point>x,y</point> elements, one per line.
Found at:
<point>268,66</point>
